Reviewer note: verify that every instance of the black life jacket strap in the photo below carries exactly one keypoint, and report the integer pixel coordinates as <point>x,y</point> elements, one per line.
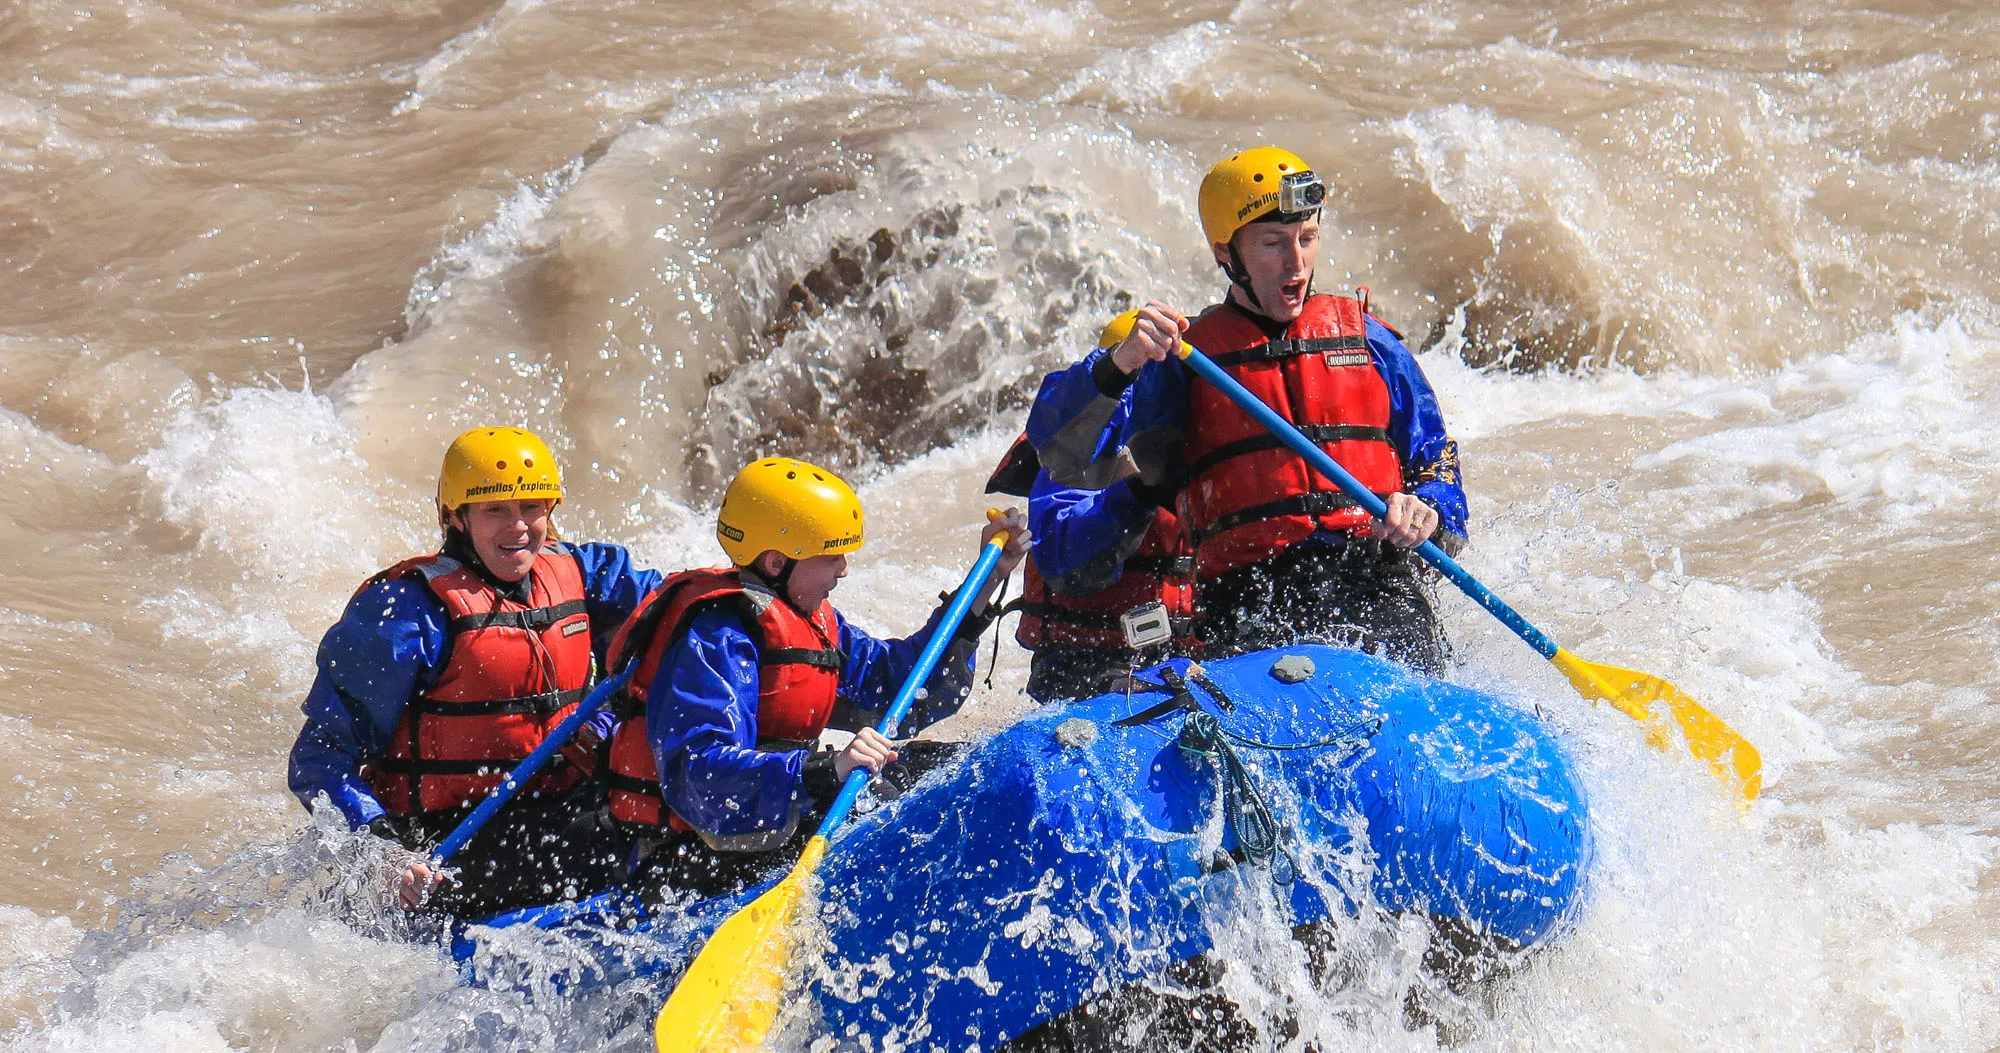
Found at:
<point>817,657</point>
<point>538,704</point>
<point>631,784</point>
<point>1161,566</point>
<point>429,766</point>
<point>1319,433</point>
<point>1051,614</point>
<point>1283,348</point>
<point>534,619</point>
<point>1316,503</point>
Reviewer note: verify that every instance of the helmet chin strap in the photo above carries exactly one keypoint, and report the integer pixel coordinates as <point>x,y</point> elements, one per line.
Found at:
<point>778,582</point>
<point>1240,277</point>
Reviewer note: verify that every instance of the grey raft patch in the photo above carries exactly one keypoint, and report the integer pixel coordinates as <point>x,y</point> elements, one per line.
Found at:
<point>1293,669</point>
<point>1076,733</point>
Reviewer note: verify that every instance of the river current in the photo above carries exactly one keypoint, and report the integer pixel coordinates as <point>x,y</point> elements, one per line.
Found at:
<point>1708,294</point>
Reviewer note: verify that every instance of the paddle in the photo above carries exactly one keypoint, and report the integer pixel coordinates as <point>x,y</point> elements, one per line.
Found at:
<point>1729,755</point>
<point>528,768</point>
<point>728,998</point>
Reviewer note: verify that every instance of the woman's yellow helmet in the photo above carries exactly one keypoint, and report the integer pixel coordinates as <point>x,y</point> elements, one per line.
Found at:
<point>498,464</point>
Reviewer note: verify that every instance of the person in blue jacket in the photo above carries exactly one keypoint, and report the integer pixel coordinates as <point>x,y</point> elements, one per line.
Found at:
<point>1281,554</point>
<point>1109,586</point>
<point>737,670</point>
<point>446,670</point>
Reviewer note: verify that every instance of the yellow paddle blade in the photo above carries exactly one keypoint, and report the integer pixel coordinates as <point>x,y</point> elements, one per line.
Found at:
<point>728,999</point>
<point>1731,756</point>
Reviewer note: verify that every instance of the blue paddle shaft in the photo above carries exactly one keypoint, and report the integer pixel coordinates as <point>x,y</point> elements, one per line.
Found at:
<point>1352,487</point>
<point>529,767</point>
<point>941,637</point>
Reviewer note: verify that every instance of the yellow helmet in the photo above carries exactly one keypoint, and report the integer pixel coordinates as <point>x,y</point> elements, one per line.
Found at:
<point>1117,329</point>
<point>498,464</point>
<point>1257,181</point>
<point>788,506</point>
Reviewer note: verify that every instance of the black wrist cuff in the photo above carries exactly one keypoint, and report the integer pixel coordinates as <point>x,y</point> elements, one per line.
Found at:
<point>1110,380</point>
<point>820,779</point>
<point>1147,494</point>
<point>973,625</point>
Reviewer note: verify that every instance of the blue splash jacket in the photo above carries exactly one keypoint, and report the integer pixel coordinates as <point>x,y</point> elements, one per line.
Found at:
<point>371,665</point>
<point>701,716</point>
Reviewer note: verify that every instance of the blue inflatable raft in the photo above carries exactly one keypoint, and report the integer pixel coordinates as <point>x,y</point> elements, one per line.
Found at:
<point>1089,848</point>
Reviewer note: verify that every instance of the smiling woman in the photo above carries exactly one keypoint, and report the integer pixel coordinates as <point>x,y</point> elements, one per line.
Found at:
<point>447,670</point>
<point>506,535</point>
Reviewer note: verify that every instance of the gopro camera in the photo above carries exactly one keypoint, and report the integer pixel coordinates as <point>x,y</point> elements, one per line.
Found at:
<point>1301,192</point>
<point>1146,625</point>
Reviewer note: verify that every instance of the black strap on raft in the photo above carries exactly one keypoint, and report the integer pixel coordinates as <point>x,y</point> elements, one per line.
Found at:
<point>1200,679</point>
<point>1172,683</point>
<point>1257,834</point>
<point>1319,433</point>
<point>1202,737</point>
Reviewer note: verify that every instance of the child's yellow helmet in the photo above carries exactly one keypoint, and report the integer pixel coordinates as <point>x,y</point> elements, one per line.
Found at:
<point>786,505</point>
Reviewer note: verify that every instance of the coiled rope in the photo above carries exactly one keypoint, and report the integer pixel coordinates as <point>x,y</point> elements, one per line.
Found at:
<point>1244,808</point>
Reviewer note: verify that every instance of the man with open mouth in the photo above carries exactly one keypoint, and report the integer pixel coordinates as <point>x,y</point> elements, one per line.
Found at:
<point>1281,555</point>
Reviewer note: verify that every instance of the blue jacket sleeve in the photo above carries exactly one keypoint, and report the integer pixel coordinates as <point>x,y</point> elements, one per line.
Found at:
<point>701,715</point>
<point>876,670</point>
<point>386,649</point>
<point>613,587</point>
<point>1077,423</point>
<point>1083,537</point>
<point>1416,425</point>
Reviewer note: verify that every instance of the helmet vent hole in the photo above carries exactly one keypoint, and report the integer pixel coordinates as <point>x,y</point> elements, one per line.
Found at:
<point>527,462</point>
<point>1284,168</point>
<point>1258,178</point>
<point>819,477</point>
<point>502,465</point>
<point>791,475</point>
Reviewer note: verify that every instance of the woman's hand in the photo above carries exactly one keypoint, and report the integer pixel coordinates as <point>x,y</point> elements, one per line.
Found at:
<point>868,750</point>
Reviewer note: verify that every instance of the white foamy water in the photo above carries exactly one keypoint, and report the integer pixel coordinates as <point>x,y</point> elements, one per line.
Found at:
<point>1728,276</point>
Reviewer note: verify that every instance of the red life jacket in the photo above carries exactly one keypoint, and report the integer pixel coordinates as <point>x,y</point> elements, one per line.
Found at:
<point>1161,568</point>
<point>798,675</point>
<point>514,672</point>
<point>1248,495</point>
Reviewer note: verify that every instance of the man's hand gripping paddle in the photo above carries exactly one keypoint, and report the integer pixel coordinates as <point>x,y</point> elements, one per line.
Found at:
<point>728,998</point>
<point>1729,755</point>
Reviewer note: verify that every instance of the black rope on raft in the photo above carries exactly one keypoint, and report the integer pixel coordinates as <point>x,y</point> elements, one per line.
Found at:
<point>1202,737</point>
